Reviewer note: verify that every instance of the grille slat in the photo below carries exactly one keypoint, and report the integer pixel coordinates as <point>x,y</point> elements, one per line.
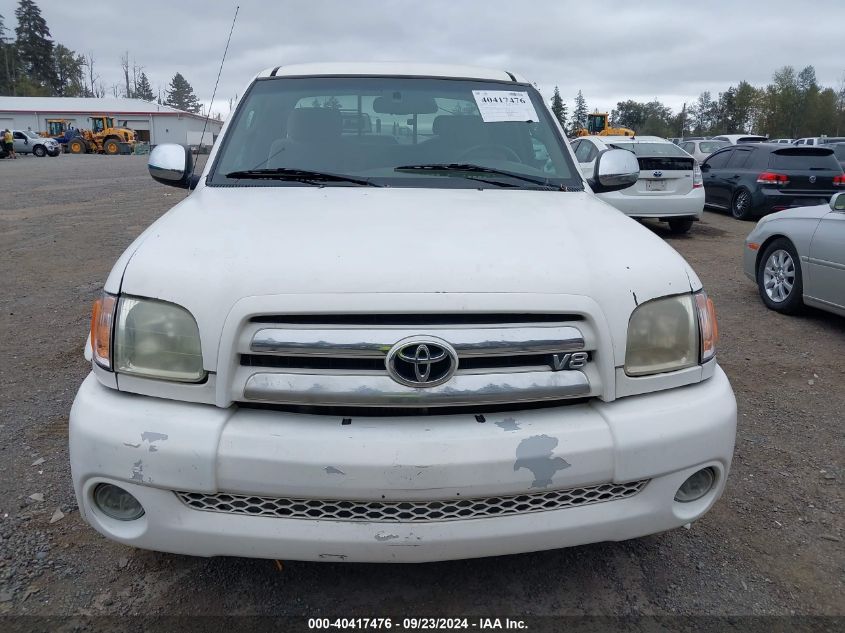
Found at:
<point>409,511</point>
<point>530,361</point>
<point>416,319</point>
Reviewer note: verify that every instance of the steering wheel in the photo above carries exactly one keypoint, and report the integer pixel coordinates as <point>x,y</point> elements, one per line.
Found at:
<point>504,149</point>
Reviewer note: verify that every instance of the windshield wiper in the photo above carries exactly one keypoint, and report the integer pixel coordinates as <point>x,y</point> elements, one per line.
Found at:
<point>300,175</point>
<point>476,169</point>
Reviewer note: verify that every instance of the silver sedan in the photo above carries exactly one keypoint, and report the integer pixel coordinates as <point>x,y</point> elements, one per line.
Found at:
<point>797,257</point>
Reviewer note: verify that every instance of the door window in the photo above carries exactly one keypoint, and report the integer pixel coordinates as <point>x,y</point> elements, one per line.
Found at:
<point>717,161</point>
<point>586,152</point>
<point>738,159</point>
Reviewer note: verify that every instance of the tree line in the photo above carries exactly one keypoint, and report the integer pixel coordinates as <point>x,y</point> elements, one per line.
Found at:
<point>33,65</point>
<point>792,105</point>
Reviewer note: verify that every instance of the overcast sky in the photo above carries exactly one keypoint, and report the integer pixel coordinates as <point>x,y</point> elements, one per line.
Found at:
<point>611,50</point>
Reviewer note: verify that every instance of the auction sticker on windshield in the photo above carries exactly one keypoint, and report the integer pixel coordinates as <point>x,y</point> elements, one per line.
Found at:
<point>504,105</point>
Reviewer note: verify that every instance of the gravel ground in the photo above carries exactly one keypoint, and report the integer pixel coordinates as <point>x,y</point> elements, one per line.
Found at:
<point>772,545</point>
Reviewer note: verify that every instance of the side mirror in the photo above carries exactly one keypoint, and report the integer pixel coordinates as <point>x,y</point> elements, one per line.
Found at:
<point>173,165</point>
<point>615,169</point>
<point>837,202</point>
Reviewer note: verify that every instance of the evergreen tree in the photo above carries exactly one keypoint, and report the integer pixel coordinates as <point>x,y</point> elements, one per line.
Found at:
<point>559,108</point>
<point>181,96</point>
<point>7,61</point>
<point>579,114</point>
<point>34,47</point>
<point>702,114</point>
<point>144,90</point>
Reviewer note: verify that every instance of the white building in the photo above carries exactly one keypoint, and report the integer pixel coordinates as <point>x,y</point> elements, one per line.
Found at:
<point>152,122</point>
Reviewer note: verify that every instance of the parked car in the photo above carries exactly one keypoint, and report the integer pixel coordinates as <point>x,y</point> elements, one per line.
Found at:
<point>669,187</point>
<point>479,358</point>
<point>819,140</point>
<point>758,178</point>
<point>700,150</point>
<point>29,142</point>
<point>737,139</point>
<point>695,138</point>
<point>839,152</point>
<point>797,257</point>
<point>785,141</point>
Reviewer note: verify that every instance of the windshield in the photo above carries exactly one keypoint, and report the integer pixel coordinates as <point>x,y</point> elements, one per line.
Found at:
<point>651,149</point>
<point>367,127</point>
<point>31,134</point>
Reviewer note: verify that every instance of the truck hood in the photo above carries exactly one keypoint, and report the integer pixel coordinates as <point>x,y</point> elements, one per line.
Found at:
<point>221,245</point>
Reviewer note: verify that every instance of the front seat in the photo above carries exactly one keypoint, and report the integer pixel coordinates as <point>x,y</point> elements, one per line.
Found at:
<point>313,141</point>
<point>454,135</point>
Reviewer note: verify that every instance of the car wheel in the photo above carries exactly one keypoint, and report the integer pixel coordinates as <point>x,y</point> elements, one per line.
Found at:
<point>779,277</point>
<point>741,205</point>
<point>39,150</point>
<point>680,226</point>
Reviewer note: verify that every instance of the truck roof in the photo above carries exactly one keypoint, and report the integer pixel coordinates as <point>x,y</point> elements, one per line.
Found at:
<point>393,69</point>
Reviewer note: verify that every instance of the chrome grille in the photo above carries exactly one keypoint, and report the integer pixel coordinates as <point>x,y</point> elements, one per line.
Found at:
<point>409,511</point>
<point>340,360</point>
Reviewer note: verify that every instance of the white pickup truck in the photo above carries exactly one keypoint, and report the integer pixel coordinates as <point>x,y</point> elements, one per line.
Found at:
<point>479,358</point>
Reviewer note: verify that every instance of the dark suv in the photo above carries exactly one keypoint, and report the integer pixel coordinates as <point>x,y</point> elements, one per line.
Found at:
<point>756,179</point>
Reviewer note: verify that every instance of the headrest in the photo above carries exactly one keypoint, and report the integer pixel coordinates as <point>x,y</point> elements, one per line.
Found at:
<point>456,125</point>
<point>314,124</point>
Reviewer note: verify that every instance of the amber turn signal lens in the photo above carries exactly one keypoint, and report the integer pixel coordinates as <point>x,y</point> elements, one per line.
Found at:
<point>707,324</point>
<point>753,246</point>
<point>102,317</point>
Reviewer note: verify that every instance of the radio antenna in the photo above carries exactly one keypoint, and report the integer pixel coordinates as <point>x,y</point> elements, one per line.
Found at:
<point>216,83</point>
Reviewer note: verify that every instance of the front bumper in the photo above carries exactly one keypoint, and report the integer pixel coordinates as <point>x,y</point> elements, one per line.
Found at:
<point>153,447</point>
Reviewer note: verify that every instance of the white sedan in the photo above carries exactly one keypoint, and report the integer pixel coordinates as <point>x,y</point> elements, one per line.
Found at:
<point>670,187</point>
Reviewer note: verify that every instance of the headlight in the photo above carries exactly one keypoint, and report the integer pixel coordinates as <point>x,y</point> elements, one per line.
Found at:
<point>156,339</point>
<point>671,333</point>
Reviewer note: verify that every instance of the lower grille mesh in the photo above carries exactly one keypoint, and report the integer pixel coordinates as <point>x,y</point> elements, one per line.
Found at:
<point>408,511</point>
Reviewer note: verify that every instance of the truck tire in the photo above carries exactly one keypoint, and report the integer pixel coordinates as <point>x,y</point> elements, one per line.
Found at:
<point>111,147</point>
<point>39,150</point>
<point>77,146</point>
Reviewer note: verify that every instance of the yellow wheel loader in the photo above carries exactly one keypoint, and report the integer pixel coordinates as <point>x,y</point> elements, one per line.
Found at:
<point>598,124</point>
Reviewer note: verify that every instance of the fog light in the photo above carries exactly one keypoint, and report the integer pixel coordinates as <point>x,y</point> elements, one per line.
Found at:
<point>116,503</point>
<point>696,486</point>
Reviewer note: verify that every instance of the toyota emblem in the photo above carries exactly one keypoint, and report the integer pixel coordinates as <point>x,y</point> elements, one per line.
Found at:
<point>422,361</point>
